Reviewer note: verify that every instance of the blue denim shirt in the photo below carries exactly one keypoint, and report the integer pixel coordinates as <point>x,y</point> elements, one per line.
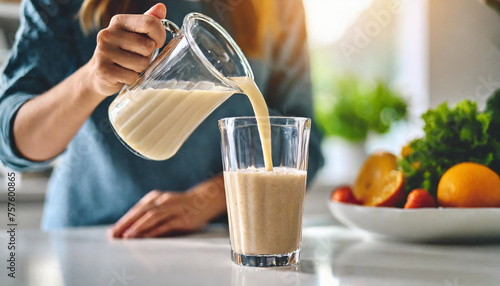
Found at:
<point>97,179</point>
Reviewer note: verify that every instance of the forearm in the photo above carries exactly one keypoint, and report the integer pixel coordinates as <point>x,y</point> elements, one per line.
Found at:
<point>46,124</point>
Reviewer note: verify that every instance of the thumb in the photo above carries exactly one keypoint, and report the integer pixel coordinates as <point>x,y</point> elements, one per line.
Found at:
<point>159,11</point>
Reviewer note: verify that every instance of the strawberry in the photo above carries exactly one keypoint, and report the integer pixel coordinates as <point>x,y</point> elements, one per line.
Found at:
<point>344,194</point>
<point>420,198</point>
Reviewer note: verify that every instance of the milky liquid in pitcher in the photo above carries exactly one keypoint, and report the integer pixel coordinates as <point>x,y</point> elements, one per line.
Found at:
<point>156,122</point>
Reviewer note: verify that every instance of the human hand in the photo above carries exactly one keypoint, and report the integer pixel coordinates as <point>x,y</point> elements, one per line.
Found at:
<point>160,213</point>
<point>124,49</point>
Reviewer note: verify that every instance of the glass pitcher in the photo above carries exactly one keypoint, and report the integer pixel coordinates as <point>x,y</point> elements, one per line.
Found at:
<point>179,89</point>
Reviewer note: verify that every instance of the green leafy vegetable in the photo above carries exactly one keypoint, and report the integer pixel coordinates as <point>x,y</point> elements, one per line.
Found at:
<point>350,108</point>
<point>452,136</point>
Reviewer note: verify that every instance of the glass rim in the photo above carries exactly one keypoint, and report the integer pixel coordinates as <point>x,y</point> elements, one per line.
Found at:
<point>188,23</point>
<point>225,120</point>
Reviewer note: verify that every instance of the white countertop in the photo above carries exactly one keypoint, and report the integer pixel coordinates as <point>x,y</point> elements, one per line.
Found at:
<point>331,255</point>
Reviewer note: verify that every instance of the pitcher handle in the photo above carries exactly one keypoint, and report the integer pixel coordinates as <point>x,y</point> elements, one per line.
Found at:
<point>169,27</point>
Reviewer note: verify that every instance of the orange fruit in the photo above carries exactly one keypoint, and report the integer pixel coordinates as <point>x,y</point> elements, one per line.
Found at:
<point>344,195</point>
<point>406,150</point>
<point>374,168</point>
<point>386,191</point>
<point>420,198</point>
<point>469,185</point>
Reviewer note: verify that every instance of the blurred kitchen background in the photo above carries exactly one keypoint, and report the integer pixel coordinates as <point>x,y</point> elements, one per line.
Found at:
<point>376,66</point>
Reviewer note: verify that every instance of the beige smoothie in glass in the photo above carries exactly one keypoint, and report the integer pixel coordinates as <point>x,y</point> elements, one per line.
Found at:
<point>265,209</point>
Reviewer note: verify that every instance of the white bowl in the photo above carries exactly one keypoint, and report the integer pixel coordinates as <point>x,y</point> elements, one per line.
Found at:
<point>423,225</point>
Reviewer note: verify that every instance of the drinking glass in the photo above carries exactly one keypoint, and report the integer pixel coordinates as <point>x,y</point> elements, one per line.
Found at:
<point>265,207</point>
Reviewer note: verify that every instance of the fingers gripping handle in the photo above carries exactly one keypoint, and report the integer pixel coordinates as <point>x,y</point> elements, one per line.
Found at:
<point>170,27</point>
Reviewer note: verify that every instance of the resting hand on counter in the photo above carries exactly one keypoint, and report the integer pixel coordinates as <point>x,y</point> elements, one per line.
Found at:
<point>161,213</point>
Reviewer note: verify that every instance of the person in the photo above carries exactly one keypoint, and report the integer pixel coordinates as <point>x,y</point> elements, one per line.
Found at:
<point>65,71</point>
